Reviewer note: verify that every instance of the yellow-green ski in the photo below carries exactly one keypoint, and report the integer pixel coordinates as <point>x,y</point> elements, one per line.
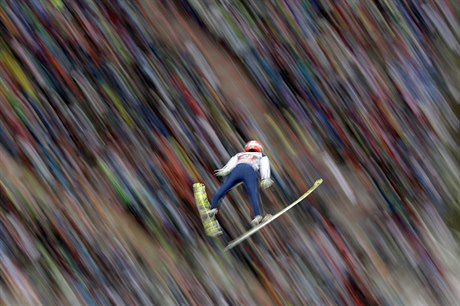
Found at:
<point>210,224</point>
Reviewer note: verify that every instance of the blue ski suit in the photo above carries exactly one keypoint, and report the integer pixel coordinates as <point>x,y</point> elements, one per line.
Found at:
<point>244,167</point>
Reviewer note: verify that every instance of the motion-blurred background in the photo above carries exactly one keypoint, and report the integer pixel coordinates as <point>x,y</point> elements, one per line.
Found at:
<point>110,110</point>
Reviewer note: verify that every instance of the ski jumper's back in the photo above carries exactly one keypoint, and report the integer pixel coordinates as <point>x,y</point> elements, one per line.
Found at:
<point>258,161</point>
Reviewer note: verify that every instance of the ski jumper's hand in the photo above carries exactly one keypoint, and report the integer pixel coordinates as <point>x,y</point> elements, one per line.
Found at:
<point>221,172</point>
<point>265,183</point>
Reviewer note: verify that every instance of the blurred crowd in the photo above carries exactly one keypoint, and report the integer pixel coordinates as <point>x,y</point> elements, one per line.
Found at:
<point>110,111</point>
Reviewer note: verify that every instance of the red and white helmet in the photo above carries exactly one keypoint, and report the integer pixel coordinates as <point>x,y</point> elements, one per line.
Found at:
<point>253,146</point>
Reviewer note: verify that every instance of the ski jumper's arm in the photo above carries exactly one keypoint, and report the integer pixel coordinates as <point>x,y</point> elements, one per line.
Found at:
<point>264,168</point>
<point>264,171</point>
<point>228,166</point>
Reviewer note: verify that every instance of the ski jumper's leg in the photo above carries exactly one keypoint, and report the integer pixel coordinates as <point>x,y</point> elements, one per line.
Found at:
<point>250,184</point>
<point>232,179</point>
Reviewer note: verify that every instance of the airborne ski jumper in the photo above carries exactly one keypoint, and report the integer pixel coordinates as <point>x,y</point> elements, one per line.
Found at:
<point>245,167</point>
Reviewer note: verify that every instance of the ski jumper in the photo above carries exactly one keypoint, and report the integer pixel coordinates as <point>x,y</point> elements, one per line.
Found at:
<point>244,167</point>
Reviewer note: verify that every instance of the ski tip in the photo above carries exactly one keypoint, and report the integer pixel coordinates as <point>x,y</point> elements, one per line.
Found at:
<point>318,181</point>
